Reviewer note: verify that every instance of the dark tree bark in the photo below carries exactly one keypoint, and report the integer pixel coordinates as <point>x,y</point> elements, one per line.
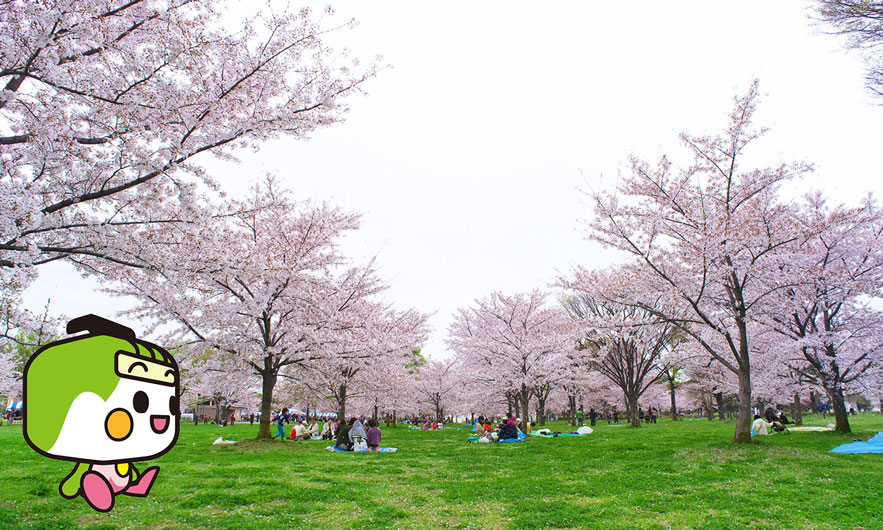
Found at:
<point>340,395</point>
<point>797,410</point>
<point>268,383</point>
<point>719,399</point>
<point>571,402</point>
<point>674,403</point>
<point>841,416</point>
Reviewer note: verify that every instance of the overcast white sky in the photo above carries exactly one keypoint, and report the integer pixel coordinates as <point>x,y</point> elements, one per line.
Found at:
<point>466,156</point>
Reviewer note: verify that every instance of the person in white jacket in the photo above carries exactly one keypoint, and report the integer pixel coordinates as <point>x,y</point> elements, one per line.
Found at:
<point>760,426</point>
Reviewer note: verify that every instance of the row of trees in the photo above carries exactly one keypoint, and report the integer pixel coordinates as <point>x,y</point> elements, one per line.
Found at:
<point>728,281</point>
<point>106,107</point>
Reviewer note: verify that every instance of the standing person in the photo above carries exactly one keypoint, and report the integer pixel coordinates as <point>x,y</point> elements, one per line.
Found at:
<point>615,416</point>
<point>579,416</point>
<point>251,419</point>
<point>593,416</point>
<point>280,421</point>
<point>374,436</point>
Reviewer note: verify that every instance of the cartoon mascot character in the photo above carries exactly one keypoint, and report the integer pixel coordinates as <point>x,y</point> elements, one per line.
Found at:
<point>102,399</point>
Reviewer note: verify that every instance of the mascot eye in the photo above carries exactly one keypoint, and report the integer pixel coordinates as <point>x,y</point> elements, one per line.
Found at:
<point>174,407</point>
<point>140,402</point>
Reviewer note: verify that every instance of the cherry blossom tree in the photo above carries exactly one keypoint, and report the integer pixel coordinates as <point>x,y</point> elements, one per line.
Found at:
<point>377,340</point>
<point>10,374</point>
<point>861,21</point>
<point>21,333</point>
<point>514,342</point>
<point>255,283</point>
<point>106,106</point>
<point>703,238</point>
<point>219,376</point>
<point>438,385</point>
<point>629,341</point>
<point>826,308</point>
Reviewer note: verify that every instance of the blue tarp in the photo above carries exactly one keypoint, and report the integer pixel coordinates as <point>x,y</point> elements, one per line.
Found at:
<point>379,450</point>
<point>874,445</point>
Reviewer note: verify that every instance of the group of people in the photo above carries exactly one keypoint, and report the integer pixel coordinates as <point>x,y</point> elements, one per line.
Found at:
<point>510,428</point>
<point>771,419</point>
<point>353,436</point>
<point>613,416</point>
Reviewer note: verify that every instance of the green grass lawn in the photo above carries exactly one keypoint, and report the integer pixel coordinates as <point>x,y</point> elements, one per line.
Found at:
<point>683,474</point>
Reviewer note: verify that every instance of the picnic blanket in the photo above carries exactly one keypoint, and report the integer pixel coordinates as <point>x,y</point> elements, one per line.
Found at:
<point>379,450</point>
<point>615,425</point>
<point>874,445</point>
<point>559,435</point>
<point>222,441</point>
<point>809,428</point>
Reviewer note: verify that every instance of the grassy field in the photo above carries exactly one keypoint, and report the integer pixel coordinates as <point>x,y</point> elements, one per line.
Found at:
<point>683,474</point>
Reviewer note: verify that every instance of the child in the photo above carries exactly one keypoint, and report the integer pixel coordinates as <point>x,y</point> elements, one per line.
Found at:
<point>374,435</point>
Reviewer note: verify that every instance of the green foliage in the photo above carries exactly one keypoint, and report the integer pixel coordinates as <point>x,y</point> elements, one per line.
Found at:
<point>682,475</point>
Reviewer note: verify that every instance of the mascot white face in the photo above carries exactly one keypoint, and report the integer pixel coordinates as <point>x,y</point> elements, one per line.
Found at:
<point>138,420</point>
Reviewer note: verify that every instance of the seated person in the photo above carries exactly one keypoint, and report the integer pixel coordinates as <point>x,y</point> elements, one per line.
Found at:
<point>357,432</point>
<point>487,426</point>
<point>760,426</point>
<point>312,431</point>
<point>343,436</point>
<point>508,430</point>
<point>783,419</point>
<point>300,431</point>
<point>328,430</point>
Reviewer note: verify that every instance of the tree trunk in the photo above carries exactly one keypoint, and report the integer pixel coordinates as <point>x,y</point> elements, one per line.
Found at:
<point>881,404</point>
<point>268,382</point>
<point>571,400</point>
<point>744,419</point>
<point>217,411</point>
<point>813,402</point>
<point>632,403</point>
<point>375,411</point>
<point>341,401</point>
<point>709,408</point>
<point>674,404</point>
<point>509,407</point>
<point>541,411</point>
<point>719,399</point>
<point>797,410</point>
<point>841,417</point>
<point>525,405</point>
